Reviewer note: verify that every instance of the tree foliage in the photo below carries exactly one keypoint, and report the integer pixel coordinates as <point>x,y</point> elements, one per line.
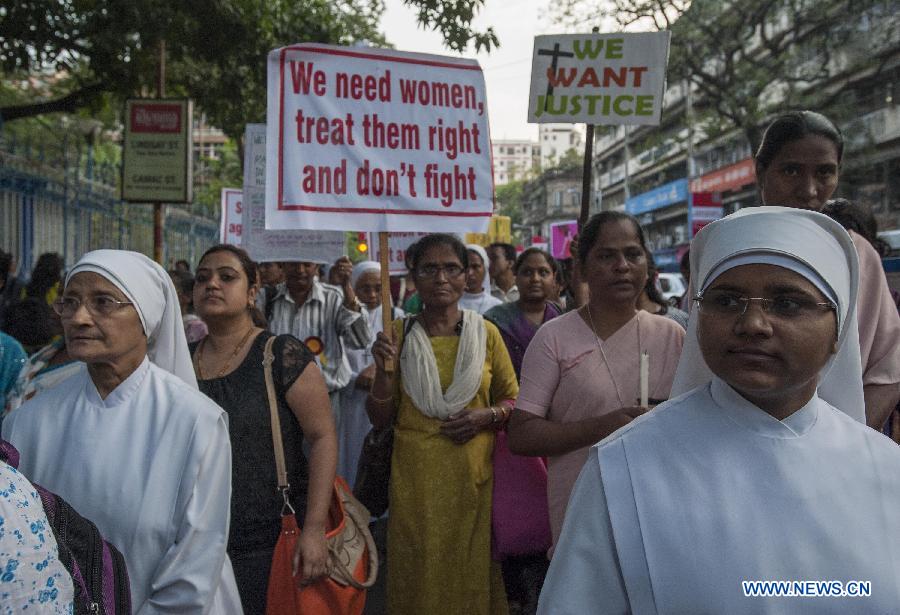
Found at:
<point>215,49</point>
<point>748,59</point>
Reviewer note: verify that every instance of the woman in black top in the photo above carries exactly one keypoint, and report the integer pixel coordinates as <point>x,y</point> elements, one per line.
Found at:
<point>229,370</point>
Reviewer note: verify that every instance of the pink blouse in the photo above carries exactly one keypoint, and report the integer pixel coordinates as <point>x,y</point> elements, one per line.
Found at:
<point>566,377</point>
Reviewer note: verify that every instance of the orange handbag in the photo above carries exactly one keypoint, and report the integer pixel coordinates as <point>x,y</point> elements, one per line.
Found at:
<point>352,556</point>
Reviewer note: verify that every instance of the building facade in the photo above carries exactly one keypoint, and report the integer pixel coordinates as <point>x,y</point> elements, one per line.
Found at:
<point>554,196</point>
<point>513,160</point>
<point>557,139</point>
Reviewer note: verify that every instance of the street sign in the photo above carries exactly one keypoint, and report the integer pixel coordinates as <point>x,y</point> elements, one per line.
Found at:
<point>157,161</point>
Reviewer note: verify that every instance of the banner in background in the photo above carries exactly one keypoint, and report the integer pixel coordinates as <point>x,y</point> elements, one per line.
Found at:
<point>398,244</point>
<point>285,246</point>
<point>232,204</point>
<point>561,236</point>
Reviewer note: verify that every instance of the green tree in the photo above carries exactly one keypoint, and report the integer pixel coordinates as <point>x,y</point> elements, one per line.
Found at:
<point>508,200</point>
<point>748,59</point>
<point>218,173</point>
<point>216,49</point>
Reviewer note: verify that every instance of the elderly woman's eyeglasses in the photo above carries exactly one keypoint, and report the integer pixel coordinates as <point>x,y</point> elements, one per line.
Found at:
<point>786,307</point>
<point>98,305</point>
<point>433,271</point>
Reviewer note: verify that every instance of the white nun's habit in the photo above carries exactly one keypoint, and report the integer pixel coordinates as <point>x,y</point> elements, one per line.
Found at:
<point>483,301</point>
<point>353,424</point>
<point>674,511</point>
<point>150,465</point>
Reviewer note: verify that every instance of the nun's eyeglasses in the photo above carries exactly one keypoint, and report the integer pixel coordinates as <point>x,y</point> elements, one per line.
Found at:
<point>786,307</point>
<point>98,305</point>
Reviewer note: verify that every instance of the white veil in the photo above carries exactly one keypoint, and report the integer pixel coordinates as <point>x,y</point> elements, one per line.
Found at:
<point>812,239</point>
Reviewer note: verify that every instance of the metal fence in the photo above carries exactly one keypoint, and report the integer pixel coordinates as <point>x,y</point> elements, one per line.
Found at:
<point>44,209</point>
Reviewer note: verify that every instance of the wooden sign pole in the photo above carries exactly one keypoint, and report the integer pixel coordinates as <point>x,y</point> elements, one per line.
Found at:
<point>385,292</point>
<point>586,177</point>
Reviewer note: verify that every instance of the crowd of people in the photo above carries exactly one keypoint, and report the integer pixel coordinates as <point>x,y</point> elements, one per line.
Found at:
<point>561,443</point>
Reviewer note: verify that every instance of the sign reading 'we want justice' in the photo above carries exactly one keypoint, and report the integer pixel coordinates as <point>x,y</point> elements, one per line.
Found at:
<point>598,78</point>
<point>376,140</point>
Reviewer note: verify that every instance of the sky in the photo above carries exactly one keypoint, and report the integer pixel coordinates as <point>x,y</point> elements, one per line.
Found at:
<point>507,69</point>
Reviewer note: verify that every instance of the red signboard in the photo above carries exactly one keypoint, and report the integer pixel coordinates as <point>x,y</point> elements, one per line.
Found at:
<point>728,178</point>
<point>156,118</point>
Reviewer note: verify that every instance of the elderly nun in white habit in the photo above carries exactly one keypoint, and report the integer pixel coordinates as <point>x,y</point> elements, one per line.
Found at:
<point>131,442</point>
<point>762,468</point>
<point>477,296</point>
<point>354,422</point>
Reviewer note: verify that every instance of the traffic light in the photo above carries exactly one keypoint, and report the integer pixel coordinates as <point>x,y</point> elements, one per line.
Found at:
<point>361,246</point>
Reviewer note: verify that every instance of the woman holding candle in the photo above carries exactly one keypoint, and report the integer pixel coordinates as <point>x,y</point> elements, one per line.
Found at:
<point>581,374</point>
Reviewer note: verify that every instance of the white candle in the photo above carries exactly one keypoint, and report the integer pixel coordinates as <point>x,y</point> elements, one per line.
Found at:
<point>645,378</point>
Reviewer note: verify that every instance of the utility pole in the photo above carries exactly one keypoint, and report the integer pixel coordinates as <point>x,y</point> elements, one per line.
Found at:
<point>158,208</point>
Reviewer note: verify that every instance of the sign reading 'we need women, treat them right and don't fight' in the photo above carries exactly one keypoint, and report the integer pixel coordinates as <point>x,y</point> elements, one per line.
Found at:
<point>376,140</point>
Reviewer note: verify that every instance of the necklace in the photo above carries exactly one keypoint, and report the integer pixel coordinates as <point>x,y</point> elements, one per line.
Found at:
<point>603,354</point>
<point>225,367</point>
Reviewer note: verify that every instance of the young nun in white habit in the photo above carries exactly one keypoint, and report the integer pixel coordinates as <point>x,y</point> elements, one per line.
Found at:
<point>478,295</point>
<point>761,467</point>
<point>131,442</point>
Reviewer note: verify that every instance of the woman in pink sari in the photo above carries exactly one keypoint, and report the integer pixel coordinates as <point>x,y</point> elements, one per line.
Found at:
<point>798,165</point>
<point>580,376</point>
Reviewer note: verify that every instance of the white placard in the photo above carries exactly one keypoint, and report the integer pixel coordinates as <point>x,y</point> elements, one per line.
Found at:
<point>398,244</point>
<point>231,217</point>
<point>285,246</point>
<point>598,78</point>
<point>376,140</point>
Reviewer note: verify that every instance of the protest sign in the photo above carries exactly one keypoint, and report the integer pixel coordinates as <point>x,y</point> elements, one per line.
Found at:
<point>376,140</point>
<point>156,155</point>
<point>499,231</point>
<point>561,236</point>
<point>231,217</point>
<point>398,244</point>
<point>286,246</point>
<point>598,78</point>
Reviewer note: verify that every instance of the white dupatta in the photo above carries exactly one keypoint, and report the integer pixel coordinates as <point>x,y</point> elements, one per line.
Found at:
<point>421,380</point>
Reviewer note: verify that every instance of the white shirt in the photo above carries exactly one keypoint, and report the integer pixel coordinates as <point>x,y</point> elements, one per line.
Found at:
<point>673,511</point>
<point>150,465</point>
<point>508,296</point>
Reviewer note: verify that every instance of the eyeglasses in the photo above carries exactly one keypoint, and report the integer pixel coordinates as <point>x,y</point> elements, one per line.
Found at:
<point>98,305</point>
<point>432,271</point>
<point>785,307</point>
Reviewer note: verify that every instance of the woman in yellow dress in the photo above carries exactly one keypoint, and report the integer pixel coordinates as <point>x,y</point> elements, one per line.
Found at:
<point>453,385</point>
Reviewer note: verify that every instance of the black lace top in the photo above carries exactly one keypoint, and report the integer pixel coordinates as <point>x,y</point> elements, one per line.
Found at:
<point>255,500</point>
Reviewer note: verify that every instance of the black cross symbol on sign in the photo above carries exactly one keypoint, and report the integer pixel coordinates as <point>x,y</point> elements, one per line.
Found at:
<point>556,53</point>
